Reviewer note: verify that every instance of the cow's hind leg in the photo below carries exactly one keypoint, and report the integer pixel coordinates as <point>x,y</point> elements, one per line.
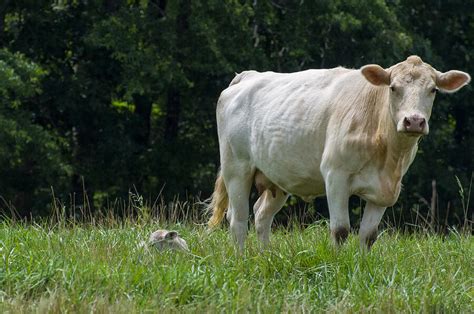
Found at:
<point>369,225</point>
<point>268,204</point>
<point>238,180</point>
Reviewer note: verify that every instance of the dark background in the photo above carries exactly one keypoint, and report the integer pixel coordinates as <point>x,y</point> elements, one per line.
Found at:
<point>102,98</point>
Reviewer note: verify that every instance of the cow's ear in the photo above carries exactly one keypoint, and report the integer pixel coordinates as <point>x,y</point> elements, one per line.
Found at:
<point>171,235</point>
<point>452,81</point>
<point>375,74</point>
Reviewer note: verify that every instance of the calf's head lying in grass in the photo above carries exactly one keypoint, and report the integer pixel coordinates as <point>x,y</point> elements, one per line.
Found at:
<point>164,239</point>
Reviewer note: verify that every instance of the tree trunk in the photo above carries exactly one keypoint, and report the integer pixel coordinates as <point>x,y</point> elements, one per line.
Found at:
<point>143,110</point>
<point>111,6</point>
<point>173,110</point>
<point>3,13</point>
<point>158,8</point>
<point>173,103</point>
<point>460,131</point>
<point>434,200</point>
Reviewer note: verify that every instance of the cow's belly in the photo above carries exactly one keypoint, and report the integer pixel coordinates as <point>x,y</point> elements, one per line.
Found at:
<point>295,169</point>
<point>306,188</point>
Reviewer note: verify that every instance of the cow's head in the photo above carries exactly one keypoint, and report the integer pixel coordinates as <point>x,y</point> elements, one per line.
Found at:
<point>412,86</point>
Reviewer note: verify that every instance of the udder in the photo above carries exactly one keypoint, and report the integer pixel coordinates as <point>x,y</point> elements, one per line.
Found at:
<point>262,183</point>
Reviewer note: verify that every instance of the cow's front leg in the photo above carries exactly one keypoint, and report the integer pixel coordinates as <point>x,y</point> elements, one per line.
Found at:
<point>369,226</point>
<point>337,191</point>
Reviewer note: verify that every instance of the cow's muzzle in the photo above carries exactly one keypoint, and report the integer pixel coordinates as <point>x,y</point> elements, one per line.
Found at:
<point>414,125</point>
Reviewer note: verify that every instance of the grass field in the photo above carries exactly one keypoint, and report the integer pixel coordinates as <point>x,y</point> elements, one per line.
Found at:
<point>94,268</point>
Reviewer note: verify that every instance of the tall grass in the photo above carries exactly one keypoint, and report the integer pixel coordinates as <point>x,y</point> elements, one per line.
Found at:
<point>95,264</point>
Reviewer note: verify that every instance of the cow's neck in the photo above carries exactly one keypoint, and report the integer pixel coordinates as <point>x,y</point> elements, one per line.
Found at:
<point>396,148</point>
<point>371,122</point>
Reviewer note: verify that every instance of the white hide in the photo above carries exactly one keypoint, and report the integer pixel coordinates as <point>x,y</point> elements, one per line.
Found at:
<point>322,132</point>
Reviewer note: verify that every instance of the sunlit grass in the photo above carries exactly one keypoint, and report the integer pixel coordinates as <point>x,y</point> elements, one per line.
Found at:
<point>83,268</point>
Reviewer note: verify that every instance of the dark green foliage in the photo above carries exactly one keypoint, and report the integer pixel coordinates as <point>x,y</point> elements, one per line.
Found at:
<point>116,95</point>
<point>30,154</point>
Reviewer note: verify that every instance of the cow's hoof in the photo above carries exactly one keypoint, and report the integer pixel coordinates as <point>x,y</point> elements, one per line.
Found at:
<point>340,235</point>
<point>369,240</point>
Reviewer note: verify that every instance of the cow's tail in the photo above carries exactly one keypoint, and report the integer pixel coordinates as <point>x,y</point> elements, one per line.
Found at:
<point>219,202</point>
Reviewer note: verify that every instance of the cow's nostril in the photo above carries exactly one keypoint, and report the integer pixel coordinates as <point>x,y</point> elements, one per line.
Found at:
<point>406,122</point>
<point>422,123</point>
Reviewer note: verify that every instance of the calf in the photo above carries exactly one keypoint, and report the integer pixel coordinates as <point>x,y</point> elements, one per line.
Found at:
<point>164,239</point>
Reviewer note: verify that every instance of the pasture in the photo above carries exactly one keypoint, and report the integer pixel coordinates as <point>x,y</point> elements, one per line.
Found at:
<point>99,268</point>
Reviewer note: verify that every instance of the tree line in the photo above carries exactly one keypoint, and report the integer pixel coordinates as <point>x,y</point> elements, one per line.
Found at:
<point>107,96</point>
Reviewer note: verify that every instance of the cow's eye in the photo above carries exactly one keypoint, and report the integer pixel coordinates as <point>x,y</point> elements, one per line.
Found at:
<point>434,90</point>
<point>392,88</point>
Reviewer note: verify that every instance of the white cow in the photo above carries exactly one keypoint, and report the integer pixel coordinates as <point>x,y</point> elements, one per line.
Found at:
<point>335,132</point>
